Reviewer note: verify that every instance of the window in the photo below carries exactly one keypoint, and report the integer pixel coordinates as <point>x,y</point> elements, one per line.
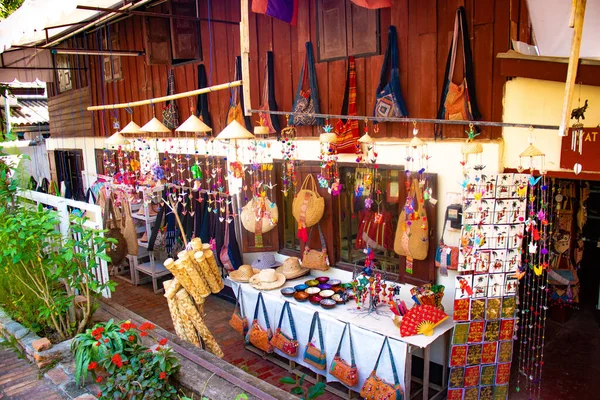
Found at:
<point>343,215</point>
<point>345,29</point>
<point>112,64</point>
<point>172,41</point>
<point>64,73</point>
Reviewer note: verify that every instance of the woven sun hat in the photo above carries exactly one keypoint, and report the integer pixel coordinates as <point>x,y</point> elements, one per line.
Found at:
<point>267,279</point>
<point>243,273</point>
<point>266,261</point>
<point>291,268</point>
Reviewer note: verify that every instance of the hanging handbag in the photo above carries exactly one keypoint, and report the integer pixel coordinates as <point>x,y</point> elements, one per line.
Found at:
<point>257,336</point>
<point>116,251</point>
<point>316,259</point>
<point>376,388</point>
<point>259,216</point>
<point>224,253</point>
<point>388,99</point>
<point>344,372</point>
<point>170,113</point>
<point>347,134</point>
<point>458,102</point>
<point>280,340</point>
<point>308,206</point>
<point>128,228</point>
<point>268,97</point>
<point>446,257</point>
<point>202,99</point>
<point>412,234</point>
<point>236,101</point>
<point>307,94</point>
<point>312,354</point>
<point>375,230</point>
<point>238,321</point>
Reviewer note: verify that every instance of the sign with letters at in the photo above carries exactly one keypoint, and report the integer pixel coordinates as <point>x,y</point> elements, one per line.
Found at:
<point>590,150</point>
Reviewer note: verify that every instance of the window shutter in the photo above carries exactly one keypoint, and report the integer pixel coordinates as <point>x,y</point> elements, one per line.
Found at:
<point>363,30</point>
<point>185,34</point>
<point>331,16</point>
<point>99,155</point>
<point>158,43</point>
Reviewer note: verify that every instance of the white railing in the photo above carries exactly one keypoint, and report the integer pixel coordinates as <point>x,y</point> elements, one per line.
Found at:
<point>92,211</point>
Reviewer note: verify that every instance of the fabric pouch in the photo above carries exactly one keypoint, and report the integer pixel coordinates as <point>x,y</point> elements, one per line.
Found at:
<point>257,336</point>
<point>238,321</point>
<point>312,355</point>
<point>376,388</point>
<point>340,369</point>
<point>280,340</point>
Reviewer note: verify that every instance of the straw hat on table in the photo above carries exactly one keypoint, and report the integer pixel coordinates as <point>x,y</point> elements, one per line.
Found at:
<point>267,279</point>
<point>291,268</point>
<point>243,273</point>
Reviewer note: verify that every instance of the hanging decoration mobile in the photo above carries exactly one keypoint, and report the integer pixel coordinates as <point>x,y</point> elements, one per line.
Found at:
<point>577,132</point>
<point>367,173</point>
<point>472,150</point>
<point>288,154</point>
<point>329,177</point>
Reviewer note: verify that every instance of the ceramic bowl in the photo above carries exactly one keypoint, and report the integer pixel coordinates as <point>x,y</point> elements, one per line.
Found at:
<point>334,282</point>
<point>300,288</point>
<point>301,296</point>
<point>337,289</point>
<point>312,282</point>
<point>288,291</point>
<point>324,286</point>
<point>327,303</point>
<point>338,298</point>
<point>326,293</point>
<point>312,290</point>
<point>315,299</point>
<point>323,279</point>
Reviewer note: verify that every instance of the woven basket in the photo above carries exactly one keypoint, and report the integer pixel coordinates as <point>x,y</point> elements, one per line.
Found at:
<point>315,204</point>
<point>472,148</point>
<point>250,211</point>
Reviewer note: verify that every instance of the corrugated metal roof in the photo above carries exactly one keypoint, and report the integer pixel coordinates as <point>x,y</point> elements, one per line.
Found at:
<point>30,113</point>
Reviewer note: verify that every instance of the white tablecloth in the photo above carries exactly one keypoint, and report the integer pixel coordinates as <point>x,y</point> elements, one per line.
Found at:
<point>368,332</point>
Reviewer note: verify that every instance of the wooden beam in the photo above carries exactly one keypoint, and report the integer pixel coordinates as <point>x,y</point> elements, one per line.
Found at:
<point>142,13</point>
<point>573,62</point>
<point>245,53</point>
<point>556,71</point>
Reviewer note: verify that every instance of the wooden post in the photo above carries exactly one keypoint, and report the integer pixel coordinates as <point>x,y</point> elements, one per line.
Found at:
<point>245,53</point>
<point>579,14</point>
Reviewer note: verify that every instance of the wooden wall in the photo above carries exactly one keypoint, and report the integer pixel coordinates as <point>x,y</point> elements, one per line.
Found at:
<point>424,30</point>
<point>68,117</point>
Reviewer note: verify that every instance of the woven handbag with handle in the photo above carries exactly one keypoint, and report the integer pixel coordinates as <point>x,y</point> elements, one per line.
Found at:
<point>238,321</point>
<point>376,388</point>
<point>412,232</point>
<point>257,336</point>
<point>312,354</point>
<point>344,372</point>
<point>280,340</point>
<point>308,206</point>
<point>116,251</point>
<point>315,259</point>
<point>259,216</point>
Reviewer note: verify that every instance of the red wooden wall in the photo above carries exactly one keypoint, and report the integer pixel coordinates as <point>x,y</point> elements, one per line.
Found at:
<point>424,30</point>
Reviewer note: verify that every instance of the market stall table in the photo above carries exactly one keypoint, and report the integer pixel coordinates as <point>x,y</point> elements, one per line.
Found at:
<point>368,333</point>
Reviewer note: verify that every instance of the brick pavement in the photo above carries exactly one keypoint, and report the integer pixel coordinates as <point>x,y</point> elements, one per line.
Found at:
<point>19,380</point>
<point>142,301</point>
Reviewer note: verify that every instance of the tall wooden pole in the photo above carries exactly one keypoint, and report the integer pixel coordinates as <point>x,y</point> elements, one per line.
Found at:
<point>245,53</point>
<point>577,15</point>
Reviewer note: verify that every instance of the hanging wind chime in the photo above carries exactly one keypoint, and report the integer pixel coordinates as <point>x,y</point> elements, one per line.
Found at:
<point>472,152</point>
<point>329,177</point>
<point>367,173</point>
<point>288,155</point>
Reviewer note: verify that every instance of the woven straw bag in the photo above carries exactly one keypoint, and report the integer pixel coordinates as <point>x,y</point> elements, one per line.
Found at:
<point>252,212</point>
<point>308,205</point>
<point>412,235</point>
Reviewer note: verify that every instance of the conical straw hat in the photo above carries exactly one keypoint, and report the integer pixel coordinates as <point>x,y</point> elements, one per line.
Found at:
<point>328,137</point>
<point>416,142</point>
<point>366,138</point>
<point>472,148</point>
<point>193,124</point>
<point>234,130</point>
<point>155,126</point>
<point>117,140</point>
<point>531,151</point>
<point>131,128</point>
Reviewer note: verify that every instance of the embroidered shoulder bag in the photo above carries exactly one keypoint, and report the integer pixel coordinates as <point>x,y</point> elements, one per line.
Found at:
<point>238,321</point>
<point>376,388</point>
<point>347,132</point>
<point>257,336</point>
<point>312,354</point>
<point>280,340</point>
<point>315,259</point>
<point>307,94</point>
<point>170,113</point>
<point>344,372</point>
<point>268,97</point>
<point>388,99</point>
<point>236,101</point>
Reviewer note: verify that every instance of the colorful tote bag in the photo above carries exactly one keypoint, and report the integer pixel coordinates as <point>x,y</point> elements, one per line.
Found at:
<point>344,372</point>
<point>314,355</point>
<point>376,388</point>
<point>412,232</point>
<point>238,320</point>
<point>307,94</point>
<point>280,340</point>
<point>257,336</point>
<point>236,100</point>
<point>388,99</point>
<point>268,97</point>
<point>347,132</point>
<point>458,102</point>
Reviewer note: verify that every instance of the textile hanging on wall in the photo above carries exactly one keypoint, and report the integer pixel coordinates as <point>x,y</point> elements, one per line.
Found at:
<point>284,10</point>
<point>494,215</point>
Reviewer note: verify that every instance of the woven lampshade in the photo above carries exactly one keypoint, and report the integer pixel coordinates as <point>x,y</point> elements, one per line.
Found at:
<point>531,151</point>
<point>328,137</point>
<point>366,138</point>
<point>117,140</point>
<point>416,142</point>
<point>234,131</point>
<point>471,148</point>
<point>131,129</point>
<point>261,130</point>
<point>193,124</point>
<point>155,126</point>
